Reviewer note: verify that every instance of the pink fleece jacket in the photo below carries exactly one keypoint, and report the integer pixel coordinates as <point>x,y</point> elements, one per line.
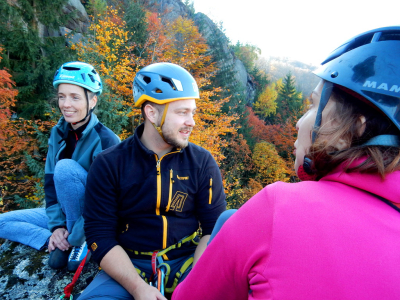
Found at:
<point>309,240</point>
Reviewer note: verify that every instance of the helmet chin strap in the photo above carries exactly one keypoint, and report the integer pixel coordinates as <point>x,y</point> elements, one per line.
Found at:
<point>159,128</point>
<point>88,111</point>
<point>306,171</point>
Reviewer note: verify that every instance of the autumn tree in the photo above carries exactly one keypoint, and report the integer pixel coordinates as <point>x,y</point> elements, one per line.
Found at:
<point>16,182</point>
<point>271,167</point>
<point>237,171</point>
<point>266,105</point>
<point>187,48</point>
<point>105,48</point>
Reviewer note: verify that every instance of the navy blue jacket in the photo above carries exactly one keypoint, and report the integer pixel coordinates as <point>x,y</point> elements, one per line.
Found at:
<point>144,203</point>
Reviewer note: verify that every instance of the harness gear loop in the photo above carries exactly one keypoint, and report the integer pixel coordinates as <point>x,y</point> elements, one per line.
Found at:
<point>161,270</point>
<point>69,287</point>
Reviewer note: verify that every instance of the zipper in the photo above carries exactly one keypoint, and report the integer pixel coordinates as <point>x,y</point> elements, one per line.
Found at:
<point>210,196</point>
<point>171,182</point>
<point>164,218</point>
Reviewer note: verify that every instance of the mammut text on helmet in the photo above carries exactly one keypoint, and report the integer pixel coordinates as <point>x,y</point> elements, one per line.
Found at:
<point>66,76</point>
<point>382,86</point>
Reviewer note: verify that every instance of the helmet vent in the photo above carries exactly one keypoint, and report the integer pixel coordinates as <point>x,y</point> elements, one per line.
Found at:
<point>83,76</point>
<point>169,81</point>
<point>158,91</point>
<point>91,78</point>
<point>71,68</point>
<point>146,79</point>
<point>94,72</point>
<point>390,36</point>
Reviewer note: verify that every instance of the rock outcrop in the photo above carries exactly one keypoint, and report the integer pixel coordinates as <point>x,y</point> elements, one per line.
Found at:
<point>24,274</point>
<point>228,60</point>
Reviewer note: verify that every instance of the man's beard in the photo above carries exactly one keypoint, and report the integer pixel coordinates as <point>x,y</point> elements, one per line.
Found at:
<point>168,137</point>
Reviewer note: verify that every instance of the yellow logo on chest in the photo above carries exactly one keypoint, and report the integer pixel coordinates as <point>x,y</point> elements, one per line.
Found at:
<point>178,201</point>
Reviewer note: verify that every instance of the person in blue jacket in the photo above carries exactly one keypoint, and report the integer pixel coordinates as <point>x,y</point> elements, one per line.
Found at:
<point>148,196</point>
<point>73,145</point>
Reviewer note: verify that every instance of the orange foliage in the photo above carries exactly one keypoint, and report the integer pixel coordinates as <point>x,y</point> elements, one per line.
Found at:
<point>16,139</point>
<point>281,135</point>
<point>181,44</point>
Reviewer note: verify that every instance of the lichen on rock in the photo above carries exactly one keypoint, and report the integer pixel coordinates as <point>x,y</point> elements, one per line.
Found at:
<point>24,274</point>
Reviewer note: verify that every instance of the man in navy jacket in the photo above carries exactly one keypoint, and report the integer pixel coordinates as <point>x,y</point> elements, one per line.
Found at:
<point>152,192</point>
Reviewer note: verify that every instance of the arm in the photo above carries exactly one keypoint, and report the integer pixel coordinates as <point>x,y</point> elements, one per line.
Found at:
<point>118,265</point>
<point>210,198</point>
<point>201,247</point>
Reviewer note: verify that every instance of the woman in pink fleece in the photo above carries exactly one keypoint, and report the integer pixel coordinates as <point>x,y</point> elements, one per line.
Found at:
<point>336,234</point>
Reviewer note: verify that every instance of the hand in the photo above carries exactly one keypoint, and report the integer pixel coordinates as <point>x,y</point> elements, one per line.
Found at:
<point>147,292</point>
<point>59,240</point>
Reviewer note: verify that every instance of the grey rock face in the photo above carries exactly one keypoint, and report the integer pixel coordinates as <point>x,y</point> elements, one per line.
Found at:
<point>79,22</point>
<point>24,274</point>
<point>230,61</point>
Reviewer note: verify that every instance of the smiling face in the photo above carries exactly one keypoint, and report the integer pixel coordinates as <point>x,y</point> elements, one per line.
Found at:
<point>179,122</point>
<point>306,123</point>
<point>73,104</point>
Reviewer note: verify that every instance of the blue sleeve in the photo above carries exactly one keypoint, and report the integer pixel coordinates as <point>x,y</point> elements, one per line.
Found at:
<point>53,208</point>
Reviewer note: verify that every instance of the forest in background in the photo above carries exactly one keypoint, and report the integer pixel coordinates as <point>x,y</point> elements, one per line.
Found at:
<point>251,141</point>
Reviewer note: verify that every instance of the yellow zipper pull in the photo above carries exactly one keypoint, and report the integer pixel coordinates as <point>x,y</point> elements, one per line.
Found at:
<point>171,181</point>
<point>210,198</point>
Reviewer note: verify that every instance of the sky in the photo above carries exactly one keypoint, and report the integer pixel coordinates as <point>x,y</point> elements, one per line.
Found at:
<point>304,30</point>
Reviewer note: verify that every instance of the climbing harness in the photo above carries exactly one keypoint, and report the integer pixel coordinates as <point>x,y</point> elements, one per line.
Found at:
<point>161,270</point>
<point>69,287</point>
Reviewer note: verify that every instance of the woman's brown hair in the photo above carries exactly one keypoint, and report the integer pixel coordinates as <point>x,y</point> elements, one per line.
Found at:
<point>348,126</point>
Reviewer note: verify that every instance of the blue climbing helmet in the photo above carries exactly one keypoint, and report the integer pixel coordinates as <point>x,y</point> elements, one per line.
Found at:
<point>163,83</point>
<point>83,75</point>
<point>368,67</point>
<point>79,73</point>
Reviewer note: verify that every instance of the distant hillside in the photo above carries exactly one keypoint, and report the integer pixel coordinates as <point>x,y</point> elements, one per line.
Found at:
<point>278,67</point>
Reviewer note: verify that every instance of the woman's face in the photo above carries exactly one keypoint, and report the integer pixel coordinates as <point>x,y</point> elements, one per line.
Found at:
<point>73,104</point>
<point>306,123</point>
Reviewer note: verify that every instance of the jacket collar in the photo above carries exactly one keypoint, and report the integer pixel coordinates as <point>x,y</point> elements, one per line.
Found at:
<point>388,189</point>
<point>63,127</point>
<point>138,133</point>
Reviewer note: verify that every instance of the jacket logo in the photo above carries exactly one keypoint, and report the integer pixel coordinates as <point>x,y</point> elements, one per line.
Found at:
<point>182,178</point>
<point>382,86</point>
<point>178,201</point>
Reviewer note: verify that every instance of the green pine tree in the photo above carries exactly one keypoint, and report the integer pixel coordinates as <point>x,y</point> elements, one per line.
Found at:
<point>289,101</point>
<point>31,55</point>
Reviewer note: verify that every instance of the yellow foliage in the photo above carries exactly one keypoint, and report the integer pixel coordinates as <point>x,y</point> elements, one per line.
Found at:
<point>271,167</point>
<point>266,103</point>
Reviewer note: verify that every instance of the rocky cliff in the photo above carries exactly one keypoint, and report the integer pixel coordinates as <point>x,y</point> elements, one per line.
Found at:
<point>24,274</point>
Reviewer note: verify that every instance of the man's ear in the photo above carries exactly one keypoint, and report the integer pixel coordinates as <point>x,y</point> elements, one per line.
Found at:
<point>151,113</point>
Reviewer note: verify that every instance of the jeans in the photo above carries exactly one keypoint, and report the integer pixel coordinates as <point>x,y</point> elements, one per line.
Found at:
<point>29,226</point>
<point>105,288</point>
<point>70,183</point>
<point>26,226</point>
